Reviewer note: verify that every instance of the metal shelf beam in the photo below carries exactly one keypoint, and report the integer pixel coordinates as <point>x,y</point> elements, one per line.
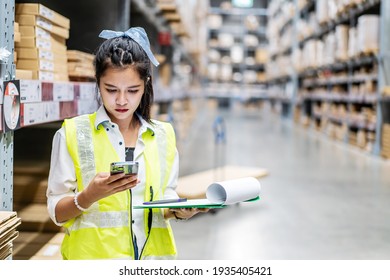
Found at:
<point>7,72</point>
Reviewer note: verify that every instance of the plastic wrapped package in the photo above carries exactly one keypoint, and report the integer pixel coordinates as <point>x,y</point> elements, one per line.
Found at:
<point>309,59</point>
<point>237,54</point>
<point>225,40</point>
<point>368,33</point>
<point>341,33</point>
<point>212,71</point>
<point>213,55</point>
<point>214,21</point>
<point>332,9</point>
<point>225,72</point>
<point>330,48</point>
<point>320,50</point>
<point>322,11</point>
<point>252,22</point>
<point>297,60</point>
<point>251,40</point>
<point>250,76</point>
<point>353,47</point>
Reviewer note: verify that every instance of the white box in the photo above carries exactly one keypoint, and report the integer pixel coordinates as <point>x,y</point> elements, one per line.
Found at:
<point>87,91</point>
<point>30,91</point>
<point>32,113</point>
<point>51,111</point>
<point>63,91</point>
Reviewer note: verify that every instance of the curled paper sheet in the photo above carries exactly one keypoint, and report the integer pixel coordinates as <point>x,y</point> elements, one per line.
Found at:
<point>233,191</point>
<point>4,54</point>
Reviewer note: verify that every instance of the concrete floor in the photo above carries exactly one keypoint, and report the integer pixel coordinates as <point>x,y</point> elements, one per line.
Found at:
<point>322,200</point>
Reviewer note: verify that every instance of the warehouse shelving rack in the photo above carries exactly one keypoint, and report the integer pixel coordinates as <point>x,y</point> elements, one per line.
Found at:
<point>223,89</point>
<point>320,90</point>
<point>7,72</point>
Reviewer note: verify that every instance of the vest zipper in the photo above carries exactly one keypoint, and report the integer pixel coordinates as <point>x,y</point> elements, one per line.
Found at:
<point>150,218</point>
<point>135,248</point>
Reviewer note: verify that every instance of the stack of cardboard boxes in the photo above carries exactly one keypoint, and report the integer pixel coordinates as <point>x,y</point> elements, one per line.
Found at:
<point>9,221</point>
<point>80,66</point>
<point>42,47</point>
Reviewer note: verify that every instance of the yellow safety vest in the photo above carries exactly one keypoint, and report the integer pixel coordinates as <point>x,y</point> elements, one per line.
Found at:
<point>104,231</point>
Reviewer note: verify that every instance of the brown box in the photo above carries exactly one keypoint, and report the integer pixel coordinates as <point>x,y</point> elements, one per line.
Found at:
<point>32,20</point>
<point>40,64</point>
<point>22,74</point>
<point>39,9</point>
<point>17,37</point>
<point>36,53</point>
<point>261,55</point>
<point>35,31</point>
<point>34,42</point>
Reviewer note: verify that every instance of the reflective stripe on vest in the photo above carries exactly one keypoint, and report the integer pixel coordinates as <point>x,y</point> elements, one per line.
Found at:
<point>107,221</point>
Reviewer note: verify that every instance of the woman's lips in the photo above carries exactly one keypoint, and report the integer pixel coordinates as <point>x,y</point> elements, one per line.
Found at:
<point>122,110</point>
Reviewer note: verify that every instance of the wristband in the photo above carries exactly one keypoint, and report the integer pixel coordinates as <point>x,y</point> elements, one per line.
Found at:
<point>77,203</point>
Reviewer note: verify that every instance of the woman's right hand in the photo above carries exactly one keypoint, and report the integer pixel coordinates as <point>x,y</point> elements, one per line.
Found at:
<point>104,184</point>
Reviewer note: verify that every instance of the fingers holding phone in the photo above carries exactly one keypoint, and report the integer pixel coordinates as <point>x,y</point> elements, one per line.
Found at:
<point>124,175</point>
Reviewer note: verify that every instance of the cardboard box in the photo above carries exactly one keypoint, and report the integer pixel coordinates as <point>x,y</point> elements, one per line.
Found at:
<point>42,65</point>
<point>43,75</point>
<point>36,53</point>
<point>41,10</point>
<point>35,31</point>
<point>17,37</point>
<point>33,20</point>
<point>22,74</point>
<point>30,91</point>
<point>36,42</point>
<point>75,55</point>
<point>61,76</point>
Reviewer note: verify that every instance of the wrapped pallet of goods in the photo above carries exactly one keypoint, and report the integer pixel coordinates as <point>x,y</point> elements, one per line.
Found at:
<point>42,48</point>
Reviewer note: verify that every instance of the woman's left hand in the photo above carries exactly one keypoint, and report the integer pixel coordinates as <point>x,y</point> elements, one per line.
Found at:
<point>186,213</point>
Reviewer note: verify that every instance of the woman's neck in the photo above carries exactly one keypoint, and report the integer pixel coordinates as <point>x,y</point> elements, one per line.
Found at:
<point>130,131</point>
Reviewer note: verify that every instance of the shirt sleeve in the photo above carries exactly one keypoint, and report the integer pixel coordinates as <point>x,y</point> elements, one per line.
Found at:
<point>170,191</point>
<point>62,175</point>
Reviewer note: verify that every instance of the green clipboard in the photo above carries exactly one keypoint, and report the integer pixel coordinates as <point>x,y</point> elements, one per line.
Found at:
<point>190,203</point>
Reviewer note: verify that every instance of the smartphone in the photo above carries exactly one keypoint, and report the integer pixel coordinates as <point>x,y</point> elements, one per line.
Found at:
<point>127,167</point>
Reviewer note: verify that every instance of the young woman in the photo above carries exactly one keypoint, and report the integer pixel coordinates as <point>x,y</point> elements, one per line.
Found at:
<point>94,207</point>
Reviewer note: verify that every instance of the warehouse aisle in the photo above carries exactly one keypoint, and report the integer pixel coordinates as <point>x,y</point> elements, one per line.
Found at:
<point>322,200</point>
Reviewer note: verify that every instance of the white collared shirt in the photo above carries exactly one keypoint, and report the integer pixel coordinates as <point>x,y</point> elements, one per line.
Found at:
<point>62,175</point>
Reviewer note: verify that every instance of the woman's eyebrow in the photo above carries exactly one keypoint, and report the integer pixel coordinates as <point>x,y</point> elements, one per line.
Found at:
<point>110,85</point>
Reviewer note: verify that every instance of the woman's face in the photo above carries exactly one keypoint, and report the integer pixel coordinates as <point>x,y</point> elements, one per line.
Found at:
<point>121,91</point>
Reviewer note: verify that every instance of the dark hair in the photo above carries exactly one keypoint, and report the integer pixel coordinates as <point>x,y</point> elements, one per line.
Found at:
<point>122,52</point>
